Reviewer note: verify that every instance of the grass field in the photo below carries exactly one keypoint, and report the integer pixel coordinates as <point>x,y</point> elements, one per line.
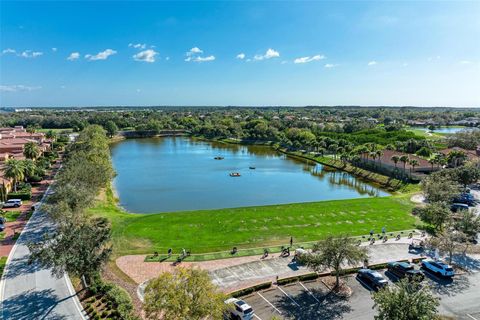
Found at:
<point>207,231</point>
<point>3,261</point>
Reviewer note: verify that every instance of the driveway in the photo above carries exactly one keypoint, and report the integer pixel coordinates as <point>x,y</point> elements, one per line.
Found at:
<point>31,292</point>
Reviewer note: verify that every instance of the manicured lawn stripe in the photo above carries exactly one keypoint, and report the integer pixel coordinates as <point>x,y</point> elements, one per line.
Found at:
<point>217,230</point>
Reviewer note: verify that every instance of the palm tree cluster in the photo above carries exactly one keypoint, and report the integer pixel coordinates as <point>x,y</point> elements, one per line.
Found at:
<point>22,170</point>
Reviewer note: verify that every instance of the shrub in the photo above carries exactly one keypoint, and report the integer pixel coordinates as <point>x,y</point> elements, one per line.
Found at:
<point>245,291</point>
<point>22,195</point>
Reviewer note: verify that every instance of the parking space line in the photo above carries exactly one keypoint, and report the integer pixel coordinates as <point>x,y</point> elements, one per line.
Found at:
<point>472,317</point>
<point>257,317</point>
<point>269,303</point>
<point>311,293</point>
<point>289,296</point>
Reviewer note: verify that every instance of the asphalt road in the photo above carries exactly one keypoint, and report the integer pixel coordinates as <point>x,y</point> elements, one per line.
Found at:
<point>31,292</point>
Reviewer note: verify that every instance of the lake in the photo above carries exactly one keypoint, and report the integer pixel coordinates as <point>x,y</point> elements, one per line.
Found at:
<point>449,130</point>
<point>178,173</point>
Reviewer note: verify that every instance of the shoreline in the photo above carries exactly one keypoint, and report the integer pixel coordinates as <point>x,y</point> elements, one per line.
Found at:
<point>267,144</point>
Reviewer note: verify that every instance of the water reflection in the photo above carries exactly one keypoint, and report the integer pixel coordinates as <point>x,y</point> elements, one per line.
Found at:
<point>173,174</point>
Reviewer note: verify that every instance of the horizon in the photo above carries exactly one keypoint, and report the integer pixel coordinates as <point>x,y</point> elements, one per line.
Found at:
<point>251,54</point>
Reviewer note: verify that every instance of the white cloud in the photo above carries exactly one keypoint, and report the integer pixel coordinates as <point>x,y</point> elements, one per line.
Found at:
<point>465,62</point>
<point>17,88</point>
<point>54,49</point>
<point>145,56</point>
<point>167,58</point>
<point>30,54</point>
<point>200,59</point>
<point>309,59</point>
<point>8,50</point>
<point>372,63</point>
<point>405,64</point>
<point>73,56</point>
<point>62,87</point>
<point>331,65</point>
<point>270,53</point>
<point>241,56</point>
<point>101,55</point>
<point>194,51</point>
<point>138,90</point>
<point>137,45</point>
<point>194,55</point>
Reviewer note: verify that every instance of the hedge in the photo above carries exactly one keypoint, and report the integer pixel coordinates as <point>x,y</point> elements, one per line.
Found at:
<point>20,195</point>
<point>303,277</point>
<point>246,291</point>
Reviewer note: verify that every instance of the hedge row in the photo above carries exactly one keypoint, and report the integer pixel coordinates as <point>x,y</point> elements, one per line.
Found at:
<point>303,277</point>
<point>246,291</point>
<point>24,195</point>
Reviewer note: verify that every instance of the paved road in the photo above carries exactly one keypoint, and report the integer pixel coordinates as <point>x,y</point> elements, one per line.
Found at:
<point>31,292</point>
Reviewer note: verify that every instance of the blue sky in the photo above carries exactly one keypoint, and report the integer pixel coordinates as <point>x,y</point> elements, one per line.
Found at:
<point>239,53</point>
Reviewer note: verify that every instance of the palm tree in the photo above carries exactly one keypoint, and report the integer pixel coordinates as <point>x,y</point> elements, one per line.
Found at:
<point>14,170</point>
<point>404,159</point>
<point>395,158</point>
<point>31,150</point>
<point>29,168</point>
<point>432,161</point>
<point>413,164</point>
<point>379,155</point>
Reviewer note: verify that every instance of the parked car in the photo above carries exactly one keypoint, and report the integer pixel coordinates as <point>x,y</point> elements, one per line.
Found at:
<point>372,278</point>
<point>239,309</point>
<point>438,267</point>
<point>405,270</point>
<point>458,206</point>
<point>465,198</point>
<point>12,203</point>
<point>35,206</point>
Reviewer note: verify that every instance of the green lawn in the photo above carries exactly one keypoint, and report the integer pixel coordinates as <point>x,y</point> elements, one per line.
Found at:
<point>12,215</point>
<point>3,262</point>
<point>207,231</point>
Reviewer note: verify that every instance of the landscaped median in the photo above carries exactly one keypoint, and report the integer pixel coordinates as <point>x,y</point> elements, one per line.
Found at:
<point>213,233</point>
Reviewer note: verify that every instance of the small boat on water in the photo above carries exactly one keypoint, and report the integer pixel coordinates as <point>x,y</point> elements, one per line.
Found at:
<point>234,174</point>
<point>219,158</point>
<point>252,168</point>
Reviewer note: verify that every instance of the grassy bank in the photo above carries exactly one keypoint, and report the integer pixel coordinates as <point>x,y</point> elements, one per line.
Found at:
<point>205,231</point>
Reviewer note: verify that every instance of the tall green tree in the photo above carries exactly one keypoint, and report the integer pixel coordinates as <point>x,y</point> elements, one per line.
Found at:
<point>439,188</point>
<point>78,248</point>
<point>14,170</point>
<point>111,128</point>
<point>332,253</point>
<point>186,293</point>
<point>408,300</point>
<point>436,214</point>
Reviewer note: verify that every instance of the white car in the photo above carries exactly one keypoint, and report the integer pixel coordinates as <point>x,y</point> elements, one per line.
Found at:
<point>12,203</point>
<point>240,309</point>
<point>438,267</point>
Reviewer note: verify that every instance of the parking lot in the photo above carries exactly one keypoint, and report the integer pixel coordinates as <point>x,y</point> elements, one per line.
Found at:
<point>311,299</point>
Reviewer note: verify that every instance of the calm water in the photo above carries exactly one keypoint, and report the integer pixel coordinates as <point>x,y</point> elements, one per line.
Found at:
<point>177,173</point>
<point>447,129</point>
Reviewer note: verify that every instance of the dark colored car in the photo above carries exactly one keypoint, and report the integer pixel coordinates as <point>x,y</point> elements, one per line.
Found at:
<point>372,278</point>
<point>465,198</point>
<point>458,206</point>
<point>405,270</point>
